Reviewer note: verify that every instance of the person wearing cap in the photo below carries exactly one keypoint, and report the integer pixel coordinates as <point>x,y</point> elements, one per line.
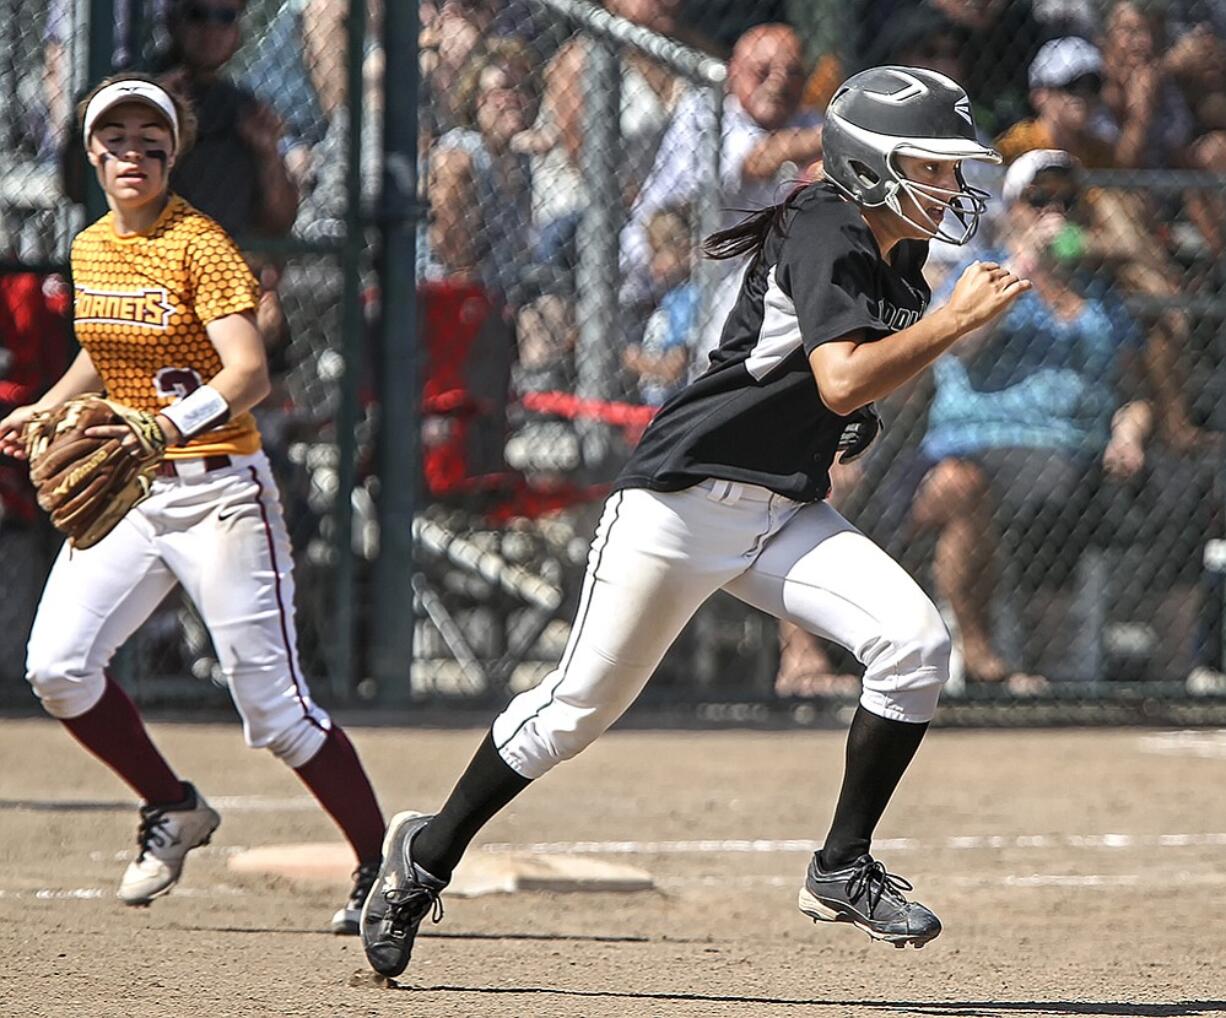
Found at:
<point>1027,415</point>
<point>1066,80</point>
<point>165,312</point>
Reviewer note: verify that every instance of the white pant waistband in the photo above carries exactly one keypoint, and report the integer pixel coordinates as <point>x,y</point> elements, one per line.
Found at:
<point>734,491</point>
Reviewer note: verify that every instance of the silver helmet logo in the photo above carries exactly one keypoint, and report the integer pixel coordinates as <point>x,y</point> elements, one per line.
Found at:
<point>913,89</point>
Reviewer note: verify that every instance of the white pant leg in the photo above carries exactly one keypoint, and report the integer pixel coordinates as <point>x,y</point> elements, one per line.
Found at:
<point>655,558</point>
<point>225,539</point>
<point>821,573</point>
<point>93,601</point>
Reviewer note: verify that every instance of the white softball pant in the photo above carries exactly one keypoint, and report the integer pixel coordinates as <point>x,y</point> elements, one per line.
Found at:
<point>657,556</point>
<point>222,536</point>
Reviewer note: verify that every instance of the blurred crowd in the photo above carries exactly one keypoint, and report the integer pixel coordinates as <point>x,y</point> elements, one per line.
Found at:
<point>1024,456</point>
<point>1088,419</point>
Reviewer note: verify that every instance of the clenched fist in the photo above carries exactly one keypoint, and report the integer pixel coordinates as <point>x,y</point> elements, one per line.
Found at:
<point>984,291</point>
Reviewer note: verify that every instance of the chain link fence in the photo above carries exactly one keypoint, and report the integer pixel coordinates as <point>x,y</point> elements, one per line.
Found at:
<point>1056,484</point>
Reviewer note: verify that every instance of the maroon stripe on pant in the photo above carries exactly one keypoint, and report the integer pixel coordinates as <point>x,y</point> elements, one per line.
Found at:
<point>299,688</point>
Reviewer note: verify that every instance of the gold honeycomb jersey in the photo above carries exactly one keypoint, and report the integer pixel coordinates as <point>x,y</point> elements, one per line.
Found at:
<point>141,307</point>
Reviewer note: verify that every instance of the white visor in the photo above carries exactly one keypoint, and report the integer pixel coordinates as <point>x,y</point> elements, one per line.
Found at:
<point>131,91</point>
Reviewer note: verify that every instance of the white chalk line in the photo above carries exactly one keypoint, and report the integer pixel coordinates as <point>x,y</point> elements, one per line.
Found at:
<point>772,846</point>
<point>1207,745</point>
<point>263,803</point>
<point>92,893</point>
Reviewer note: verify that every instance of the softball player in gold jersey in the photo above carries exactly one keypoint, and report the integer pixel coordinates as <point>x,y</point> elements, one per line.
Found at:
<point>164,311</point>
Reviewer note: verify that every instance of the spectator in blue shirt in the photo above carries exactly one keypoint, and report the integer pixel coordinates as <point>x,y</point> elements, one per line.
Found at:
<point>1026,414</point>
<point>660,360</point>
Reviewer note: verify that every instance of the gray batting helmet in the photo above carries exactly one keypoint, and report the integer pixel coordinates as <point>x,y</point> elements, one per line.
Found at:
<point>889,111</point>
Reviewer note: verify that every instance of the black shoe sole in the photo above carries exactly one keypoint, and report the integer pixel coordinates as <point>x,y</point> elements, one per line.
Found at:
<point>822,912</point>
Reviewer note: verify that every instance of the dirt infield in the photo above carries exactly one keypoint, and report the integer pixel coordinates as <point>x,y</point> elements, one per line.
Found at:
<point>1077,873</point>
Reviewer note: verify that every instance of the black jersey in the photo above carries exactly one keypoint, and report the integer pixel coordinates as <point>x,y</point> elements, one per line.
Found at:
<point>755,415</point>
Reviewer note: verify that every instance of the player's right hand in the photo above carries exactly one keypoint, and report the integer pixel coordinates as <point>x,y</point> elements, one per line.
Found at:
<point>11,430</point>
<point>984,291</point>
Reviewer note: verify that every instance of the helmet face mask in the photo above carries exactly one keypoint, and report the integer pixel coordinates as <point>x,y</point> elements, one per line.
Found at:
<point>967,204</point>
<point>882,113</point>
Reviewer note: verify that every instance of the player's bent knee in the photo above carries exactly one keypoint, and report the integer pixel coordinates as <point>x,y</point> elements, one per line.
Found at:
<point>904,677</point>
<point>64,687</point>
<point>915,639</point>
<point>294,745</point>
<point>534,753</point>
<point>554,721</point>
<point>916,699</point>
<point>536,748</point>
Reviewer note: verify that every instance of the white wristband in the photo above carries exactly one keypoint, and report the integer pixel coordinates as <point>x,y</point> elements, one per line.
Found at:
<point>198,411</point>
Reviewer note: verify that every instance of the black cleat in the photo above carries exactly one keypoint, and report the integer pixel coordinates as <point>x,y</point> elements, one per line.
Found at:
<point>347,922</point>
<point>868,897</point>
<point>402,896</point>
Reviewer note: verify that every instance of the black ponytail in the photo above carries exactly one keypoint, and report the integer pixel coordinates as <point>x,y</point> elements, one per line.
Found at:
<point>749,235</point>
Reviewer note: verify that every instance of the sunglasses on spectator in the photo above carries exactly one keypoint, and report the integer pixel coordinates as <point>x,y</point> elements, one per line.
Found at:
<point>1088,86</point>
<point>1040,200</point>
<point>202,14</point>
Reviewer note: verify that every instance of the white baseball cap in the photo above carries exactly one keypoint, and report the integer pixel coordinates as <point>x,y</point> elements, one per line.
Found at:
<point>1063,61</point>
<point>1029,165</point>
<point>131,90</point>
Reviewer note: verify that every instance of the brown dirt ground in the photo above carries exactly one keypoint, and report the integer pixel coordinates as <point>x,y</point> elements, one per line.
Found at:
<point>1056,929</point>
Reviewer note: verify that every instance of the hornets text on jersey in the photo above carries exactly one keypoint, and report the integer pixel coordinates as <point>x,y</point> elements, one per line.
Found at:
<point>141,310</point>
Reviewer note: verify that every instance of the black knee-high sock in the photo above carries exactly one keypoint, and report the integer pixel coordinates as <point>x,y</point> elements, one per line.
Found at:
<point>483,789</point>
<point>878,751</point>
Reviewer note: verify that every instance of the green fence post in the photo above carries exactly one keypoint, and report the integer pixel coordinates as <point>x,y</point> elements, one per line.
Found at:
<point>399,428</point>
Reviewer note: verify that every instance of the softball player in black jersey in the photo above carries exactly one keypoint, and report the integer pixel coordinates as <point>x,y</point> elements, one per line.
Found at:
<point>726,490</point>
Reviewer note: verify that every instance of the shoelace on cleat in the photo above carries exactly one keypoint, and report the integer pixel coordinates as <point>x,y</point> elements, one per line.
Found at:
<point>872,880</point>
<point>152,831</point>
<point>408,905</point>
<point>363,880</point>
